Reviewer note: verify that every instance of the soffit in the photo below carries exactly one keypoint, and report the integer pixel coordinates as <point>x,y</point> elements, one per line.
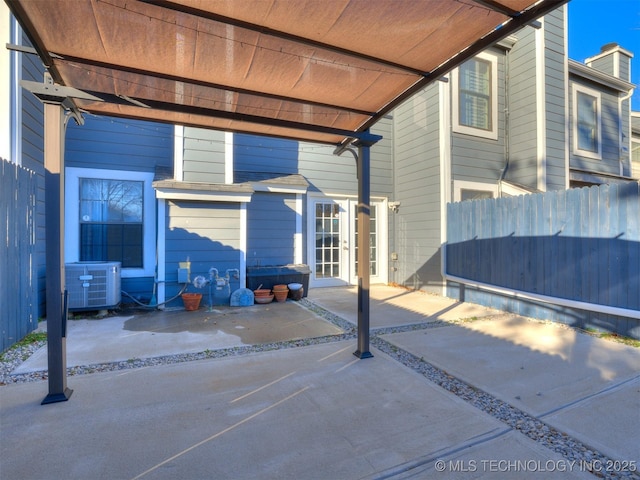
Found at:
<point>315,70</point>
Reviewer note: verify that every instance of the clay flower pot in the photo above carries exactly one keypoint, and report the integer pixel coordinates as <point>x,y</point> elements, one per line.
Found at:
<point>191,301</point>
<point>281,292</point>
<point>263,299</point>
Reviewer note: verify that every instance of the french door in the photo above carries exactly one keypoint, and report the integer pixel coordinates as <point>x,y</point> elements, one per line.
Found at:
<point>333,248</point>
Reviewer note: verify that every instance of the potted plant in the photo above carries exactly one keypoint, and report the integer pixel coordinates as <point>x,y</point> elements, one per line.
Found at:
<point>192,300</point>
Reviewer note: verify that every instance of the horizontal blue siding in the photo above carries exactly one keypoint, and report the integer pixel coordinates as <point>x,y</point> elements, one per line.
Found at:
<point>119,144</point>
<point>271,224</point>
<point>253,153</point>
<point>205,233</point>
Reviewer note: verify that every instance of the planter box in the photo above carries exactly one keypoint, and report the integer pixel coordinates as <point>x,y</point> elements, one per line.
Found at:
<point>272,275</point>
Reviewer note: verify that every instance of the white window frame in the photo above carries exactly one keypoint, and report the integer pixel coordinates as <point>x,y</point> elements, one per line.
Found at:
<point>459,185</point>
<point>72,215</point>
<point>455,97</point>
<point>597,95</point>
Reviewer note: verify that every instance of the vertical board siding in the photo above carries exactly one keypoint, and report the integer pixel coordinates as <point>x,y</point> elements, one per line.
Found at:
<point>579,244</point>
<point>18,282</point>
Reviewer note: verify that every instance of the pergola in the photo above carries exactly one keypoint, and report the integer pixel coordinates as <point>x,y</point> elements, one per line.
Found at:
<point>320,71</point>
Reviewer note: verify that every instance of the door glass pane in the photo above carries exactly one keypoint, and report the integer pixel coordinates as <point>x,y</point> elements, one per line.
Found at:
<point>327,240</point>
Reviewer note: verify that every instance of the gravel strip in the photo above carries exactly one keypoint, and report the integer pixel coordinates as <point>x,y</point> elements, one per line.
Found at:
<point>546,435</point>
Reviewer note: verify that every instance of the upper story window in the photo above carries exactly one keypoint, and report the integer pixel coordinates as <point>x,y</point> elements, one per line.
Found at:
<point>475,97</point>
<point>587,128</point>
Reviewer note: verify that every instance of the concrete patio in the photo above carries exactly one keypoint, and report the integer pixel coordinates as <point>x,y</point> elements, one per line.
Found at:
<point>540,393</point>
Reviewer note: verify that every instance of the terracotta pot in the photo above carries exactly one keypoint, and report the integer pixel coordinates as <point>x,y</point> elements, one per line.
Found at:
<point>280,288</point>
<point>261,292</point>
<point>264,299</point>
<point>281,294</point>
<point>191,301</point>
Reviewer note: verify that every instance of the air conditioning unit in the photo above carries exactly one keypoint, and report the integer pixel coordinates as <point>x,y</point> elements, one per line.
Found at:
<point>93,285</point>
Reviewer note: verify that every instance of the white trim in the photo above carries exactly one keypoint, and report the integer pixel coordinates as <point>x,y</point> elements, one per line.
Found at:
<point>178,152</point>
<point>617,50</point>
<point>161,252</point>
<point>297,236</point>
<point>72,215</point>
<point>271,188</point>
<point>228,157</point>
<point>16,94</point>
<point>243,245</point>
<point>459,185</point>
<point>567,111</point>
<point>383,240</point>
<point>477,132</point>
<point>201,195</point>
<point>541,109</point>
<point>586,72</point>
<point>445,171</point>
<point>574,120</point>
<point>512,190</point>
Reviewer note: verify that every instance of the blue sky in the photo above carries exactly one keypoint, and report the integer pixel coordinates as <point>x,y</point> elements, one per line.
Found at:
<point>594,23</point>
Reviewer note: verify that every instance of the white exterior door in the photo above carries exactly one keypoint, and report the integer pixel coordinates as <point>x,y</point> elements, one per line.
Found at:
<point>333,239</point>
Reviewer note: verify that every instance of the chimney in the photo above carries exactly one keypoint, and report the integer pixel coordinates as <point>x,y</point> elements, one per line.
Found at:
<point>614,60</point>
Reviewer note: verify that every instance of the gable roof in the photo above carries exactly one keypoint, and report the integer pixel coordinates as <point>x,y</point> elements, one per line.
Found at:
<point>315,70</point>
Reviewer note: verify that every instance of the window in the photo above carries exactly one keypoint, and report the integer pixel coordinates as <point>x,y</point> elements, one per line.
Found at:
<point>586,122</point>
<point>475,98</point>
<point>465,190</point>
<point>110,215</point>
<point>111,221</point>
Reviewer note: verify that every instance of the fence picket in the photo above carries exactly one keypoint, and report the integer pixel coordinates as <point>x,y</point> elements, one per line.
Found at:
<point>18,284</point>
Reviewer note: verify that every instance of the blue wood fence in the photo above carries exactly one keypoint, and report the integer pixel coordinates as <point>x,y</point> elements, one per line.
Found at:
<point>579,244</point>
<point>18,280</point>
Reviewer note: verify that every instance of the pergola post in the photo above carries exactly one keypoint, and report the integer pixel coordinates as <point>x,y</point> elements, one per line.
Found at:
<point>363,256</point>
<point>364,141</point>
<point>54,132</point>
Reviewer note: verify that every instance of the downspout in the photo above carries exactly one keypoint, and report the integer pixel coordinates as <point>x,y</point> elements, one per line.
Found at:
<point>507,135</point>
<point>621,135</point>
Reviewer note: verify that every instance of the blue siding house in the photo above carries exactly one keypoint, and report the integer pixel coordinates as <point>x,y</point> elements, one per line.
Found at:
<point>519,118</point>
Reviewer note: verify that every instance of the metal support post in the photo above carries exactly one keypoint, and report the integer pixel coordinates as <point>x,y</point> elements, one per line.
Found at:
<point>54,131</point>
<point>363,256</point>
